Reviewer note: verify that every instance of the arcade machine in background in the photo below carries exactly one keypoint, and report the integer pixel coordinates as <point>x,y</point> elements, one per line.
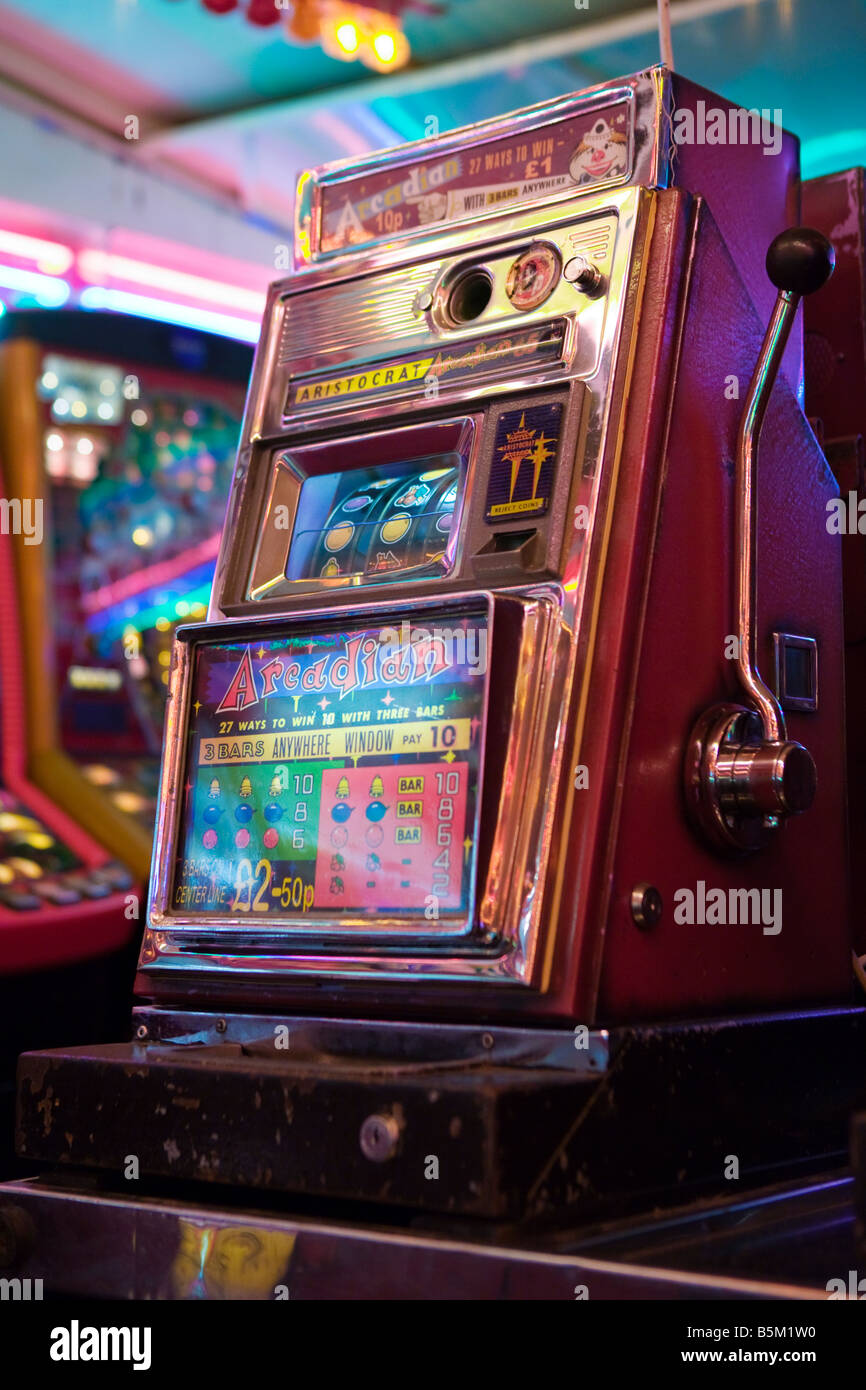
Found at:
<point>127,428</point>
<point>66,918</point>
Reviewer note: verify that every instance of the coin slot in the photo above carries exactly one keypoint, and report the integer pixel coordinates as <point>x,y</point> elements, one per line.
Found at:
<point>470,296</point>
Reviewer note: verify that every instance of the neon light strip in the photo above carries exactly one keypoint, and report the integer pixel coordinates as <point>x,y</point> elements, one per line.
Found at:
<point>47,290</point>
<point>48,256</point>
<point>120,302</point>
<point>154,576</point>
<point>98,266</point>
<point>108,626</point>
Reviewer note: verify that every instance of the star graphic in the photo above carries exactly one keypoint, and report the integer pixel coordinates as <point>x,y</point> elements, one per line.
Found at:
<point>389,699</point>
<point>538,456</point>
<point>517,448</point>
<point>261,652</point>
<point>323,703</point>
<point>197,707</point>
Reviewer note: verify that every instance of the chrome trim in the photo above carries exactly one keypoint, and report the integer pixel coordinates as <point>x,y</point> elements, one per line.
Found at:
<point>315,1036</point>
<point>647,93</point>
<point>781,641</point>
<point>507,951</point>
<point>746,514</point>
<point>257,587</point>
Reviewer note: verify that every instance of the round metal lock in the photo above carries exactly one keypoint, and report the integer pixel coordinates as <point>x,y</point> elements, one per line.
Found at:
<point>380,1135</point>
<point>646,905</point>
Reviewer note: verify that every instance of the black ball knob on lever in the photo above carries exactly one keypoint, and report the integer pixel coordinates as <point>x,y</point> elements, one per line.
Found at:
<point>743,778</point>
<point>800,260</point>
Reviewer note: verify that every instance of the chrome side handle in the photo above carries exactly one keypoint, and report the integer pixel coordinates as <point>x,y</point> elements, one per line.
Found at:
<point>743,777</point>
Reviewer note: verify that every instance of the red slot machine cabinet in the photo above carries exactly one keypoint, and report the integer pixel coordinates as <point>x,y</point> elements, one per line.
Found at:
<point>835,324</point>
<point>502,815</point>
<point>127,429</point>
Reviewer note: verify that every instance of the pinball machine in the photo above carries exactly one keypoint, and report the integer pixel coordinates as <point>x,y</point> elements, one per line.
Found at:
<point>127,429</point>
<point>501,864</point>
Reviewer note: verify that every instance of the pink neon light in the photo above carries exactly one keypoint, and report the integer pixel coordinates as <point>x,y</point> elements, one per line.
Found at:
<point>97,267</point>
<point>162,573</point>
<point>51,257</point>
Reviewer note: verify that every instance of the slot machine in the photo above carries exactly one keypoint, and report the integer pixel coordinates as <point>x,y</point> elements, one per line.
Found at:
<point>503,796</point>
<point>127,430</point>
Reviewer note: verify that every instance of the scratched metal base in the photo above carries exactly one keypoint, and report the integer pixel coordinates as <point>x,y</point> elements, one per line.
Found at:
<point>86,1242</point>
<point>510,1125</point>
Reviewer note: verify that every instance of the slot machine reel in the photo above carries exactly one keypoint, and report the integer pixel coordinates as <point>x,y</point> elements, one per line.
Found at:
<point>743,777</point>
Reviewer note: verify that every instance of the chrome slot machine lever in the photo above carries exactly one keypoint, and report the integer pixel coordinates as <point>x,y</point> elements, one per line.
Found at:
<point>743,777</point>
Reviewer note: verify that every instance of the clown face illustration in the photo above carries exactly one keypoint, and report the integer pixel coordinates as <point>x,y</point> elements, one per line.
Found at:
<point>601,154</point>
<point>431,208</point>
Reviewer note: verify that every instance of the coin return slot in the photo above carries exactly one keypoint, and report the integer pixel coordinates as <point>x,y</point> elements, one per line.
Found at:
<point>506,547</point>
<point>508,540</point>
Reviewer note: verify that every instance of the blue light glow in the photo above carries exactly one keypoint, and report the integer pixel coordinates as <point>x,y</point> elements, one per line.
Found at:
<point>122,302</point>
<point>827,153</point>
<point>48,290</point>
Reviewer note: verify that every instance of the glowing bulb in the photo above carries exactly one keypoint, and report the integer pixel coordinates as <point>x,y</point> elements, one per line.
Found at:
<point>347,36</point>
<point>50,380</point>
<point>143,536</point>
<point>139,417</point>
<point>79,409</point>
<point>61,407</point>
<point>105,410</point>
<point>84,445</point>
<point>384,47</point>
<point>54,442</point>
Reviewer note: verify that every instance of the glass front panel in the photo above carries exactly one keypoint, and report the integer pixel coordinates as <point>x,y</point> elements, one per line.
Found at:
<point>335,772</point>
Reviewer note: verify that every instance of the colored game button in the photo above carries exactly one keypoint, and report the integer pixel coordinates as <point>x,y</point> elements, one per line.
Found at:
<point>88,886</point>
<point>114,874</point>
<point>60,894</point>
<point>27,868</point>
<point>19,900</point>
